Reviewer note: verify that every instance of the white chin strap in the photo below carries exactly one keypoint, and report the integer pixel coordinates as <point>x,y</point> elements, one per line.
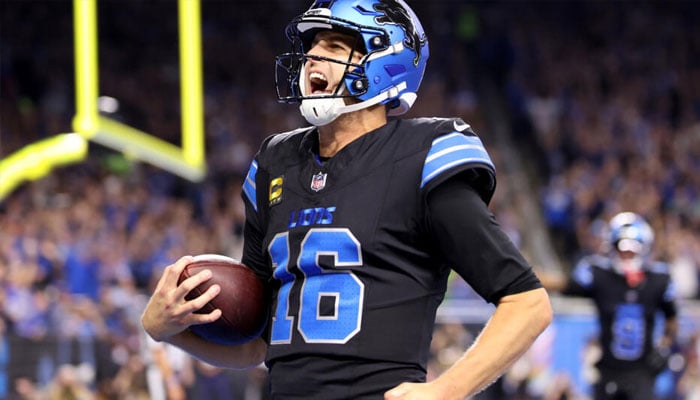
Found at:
<point>320,111</point>
<point>324,110</point>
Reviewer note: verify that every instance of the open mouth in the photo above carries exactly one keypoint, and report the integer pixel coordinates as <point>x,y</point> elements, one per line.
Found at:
<point>318,83</point>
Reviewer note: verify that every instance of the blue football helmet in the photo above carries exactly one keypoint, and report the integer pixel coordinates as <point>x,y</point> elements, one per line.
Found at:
<point>630,232</point>
<point>395,52</point>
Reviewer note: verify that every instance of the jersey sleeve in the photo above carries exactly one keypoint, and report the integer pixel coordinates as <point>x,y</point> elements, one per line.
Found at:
<point>256,199</point>
<point>250,186</point>
<point>253,250</point>
<point>457,150</point>
<point>473,244</point>
<point>253,255</point>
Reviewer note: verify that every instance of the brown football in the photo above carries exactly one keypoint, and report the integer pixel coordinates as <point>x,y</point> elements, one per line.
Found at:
<point>242,300</point>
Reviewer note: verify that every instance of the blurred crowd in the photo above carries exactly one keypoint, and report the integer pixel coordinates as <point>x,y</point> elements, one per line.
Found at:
<point>604,100</point>
<point>611,96</point>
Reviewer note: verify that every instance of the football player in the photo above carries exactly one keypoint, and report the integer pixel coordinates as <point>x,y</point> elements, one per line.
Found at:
<point>357,220</point>
<point>628,289</point>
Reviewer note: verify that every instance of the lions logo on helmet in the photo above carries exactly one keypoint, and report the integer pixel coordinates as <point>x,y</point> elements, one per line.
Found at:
<point>394,13</point>
<point>389,72</point>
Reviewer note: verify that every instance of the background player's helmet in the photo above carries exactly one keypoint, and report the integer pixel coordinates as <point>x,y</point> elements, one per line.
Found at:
<point>630,232</point>
<point>395,51</point>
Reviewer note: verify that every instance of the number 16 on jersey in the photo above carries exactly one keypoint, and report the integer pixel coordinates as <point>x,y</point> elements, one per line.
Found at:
<point>329,302</point>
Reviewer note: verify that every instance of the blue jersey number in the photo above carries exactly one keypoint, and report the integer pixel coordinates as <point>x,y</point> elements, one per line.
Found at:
<point>628,332</point>
<point>330,302</point>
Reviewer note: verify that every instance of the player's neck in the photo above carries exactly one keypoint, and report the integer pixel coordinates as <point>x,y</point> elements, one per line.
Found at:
<point>348,127</point>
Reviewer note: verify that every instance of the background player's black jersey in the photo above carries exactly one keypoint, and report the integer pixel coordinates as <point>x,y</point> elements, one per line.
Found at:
<point>358,274</point>
<point>627,314</point>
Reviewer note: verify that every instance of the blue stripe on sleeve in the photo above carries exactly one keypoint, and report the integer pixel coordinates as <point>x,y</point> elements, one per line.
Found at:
<point>249,185</point>
<point>451,150</point>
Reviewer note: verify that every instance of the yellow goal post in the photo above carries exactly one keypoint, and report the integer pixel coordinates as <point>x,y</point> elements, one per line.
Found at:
<point>188,160</point>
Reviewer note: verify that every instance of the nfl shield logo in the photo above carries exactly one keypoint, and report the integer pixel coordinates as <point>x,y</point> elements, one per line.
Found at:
<point>318,182</point>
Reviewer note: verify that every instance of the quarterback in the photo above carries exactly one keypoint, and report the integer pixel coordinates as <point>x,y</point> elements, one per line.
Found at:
<point>356,222</point>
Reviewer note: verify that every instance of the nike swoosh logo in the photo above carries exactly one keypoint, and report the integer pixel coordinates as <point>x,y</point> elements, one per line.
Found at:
<point>461,126</point>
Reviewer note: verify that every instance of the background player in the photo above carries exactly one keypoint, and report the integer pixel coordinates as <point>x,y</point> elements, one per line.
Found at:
<point>628,290</point>
<point>357,220</point>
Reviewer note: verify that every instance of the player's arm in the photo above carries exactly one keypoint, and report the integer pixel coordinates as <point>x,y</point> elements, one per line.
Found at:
<point>480,251</point>
<point>514,326</point>
<point>670,310</point>
<point>670,331</point>
<point>657,359</point>
<point>168,315</point>
<point>243,356</point>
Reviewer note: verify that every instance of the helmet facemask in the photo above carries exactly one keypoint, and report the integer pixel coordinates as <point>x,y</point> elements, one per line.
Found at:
<point>321,109</point>
<point>290,75</point>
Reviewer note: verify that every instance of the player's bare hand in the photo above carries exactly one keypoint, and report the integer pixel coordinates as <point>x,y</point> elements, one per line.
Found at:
<point>416,391</point>
<point>168,312</point>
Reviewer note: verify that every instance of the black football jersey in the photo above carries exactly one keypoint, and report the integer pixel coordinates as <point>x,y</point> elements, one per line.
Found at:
<point>344,242</point>
<point>626,314</point>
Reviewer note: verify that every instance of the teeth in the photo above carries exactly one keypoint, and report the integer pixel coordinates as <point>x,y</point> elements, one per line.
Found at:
<point>318,82</point>
<point>317,75</point>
